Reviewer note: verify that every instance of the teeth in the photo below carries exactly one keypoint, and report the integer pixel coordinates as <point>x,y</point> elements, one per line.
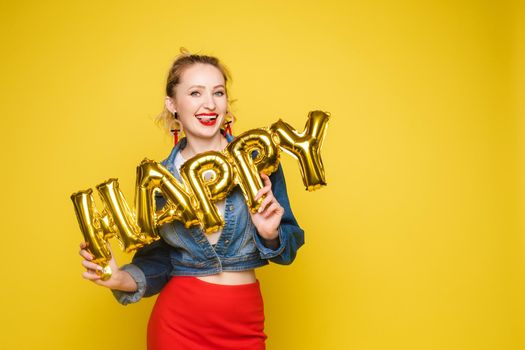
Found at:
<point>207,118</point>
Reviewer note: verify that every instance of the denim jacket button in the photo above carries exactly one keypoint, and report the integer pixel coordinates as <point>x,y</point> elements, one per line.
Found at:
<point>230,207</point>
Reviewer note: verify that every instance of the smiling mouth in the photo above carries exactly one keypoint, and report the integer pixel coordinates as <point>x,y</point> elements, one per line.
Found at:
<point>207,119</point>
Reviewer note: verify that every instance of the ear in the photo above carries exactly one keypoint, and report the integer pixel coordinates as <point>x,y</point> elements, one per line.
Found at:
<point>170,106</point>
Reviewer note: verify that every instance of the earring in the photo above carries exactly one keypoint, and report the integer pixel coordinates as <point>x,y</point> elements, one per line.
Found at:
<point>175,136</point>
<point>175,131</point>
<point>227,128</point>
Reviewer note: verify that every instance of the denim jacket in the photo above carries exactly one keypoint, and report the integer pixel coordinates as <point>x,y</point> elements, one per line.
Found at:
<point>187,252</point>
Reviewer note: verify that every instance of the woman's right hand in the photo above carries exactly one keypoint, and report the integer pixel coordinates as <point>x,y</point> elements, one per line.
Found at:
<point>119,280</point>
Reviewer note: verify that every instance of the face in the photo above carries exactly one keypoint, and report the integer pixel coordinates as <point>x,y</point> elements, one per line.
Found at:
<point>200,101</point>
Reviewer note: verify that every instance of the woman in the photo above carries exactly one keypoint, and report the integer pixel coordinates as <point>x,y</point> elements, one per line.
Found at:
<point>209,295</point>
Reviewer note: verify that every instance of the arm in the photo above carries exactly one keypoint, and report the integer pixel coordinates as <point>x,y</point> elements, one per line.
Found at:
<point>290,237</point>
<point>150,268</point>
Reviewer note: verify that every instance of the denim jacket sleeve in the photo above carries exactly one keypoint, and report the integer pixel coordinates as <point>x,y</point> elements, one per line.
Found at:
<point>150,268</point>
<point>291,236</point>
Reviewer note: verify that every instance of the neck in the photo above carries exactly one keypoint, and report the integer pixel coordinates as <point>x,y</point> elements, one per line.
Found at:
<point>196,145</point>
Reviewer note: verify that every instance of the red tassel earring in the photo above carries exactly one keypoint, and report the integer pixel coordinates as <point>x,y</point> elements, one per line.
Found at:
<point>175,136</point>
<point>175,131</point>
<point>227,131</point>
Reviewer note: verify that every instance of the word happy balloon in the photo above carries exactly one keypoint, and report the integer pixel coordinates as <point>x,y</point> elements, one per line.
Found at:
<point>192,202</point>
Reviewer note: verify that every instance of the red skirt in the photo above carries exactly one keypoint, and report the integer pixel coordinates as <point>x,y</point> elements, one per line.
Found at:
<point>191,314</point>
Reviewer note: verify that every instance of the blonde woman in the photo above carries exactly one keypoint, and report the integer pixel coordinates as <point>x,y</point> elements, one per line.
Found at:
<point>209,295</point>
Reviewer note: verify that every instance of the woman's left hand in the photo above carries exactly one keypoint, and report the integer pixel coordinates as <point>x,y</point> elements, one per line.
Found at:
<point>268,218</point>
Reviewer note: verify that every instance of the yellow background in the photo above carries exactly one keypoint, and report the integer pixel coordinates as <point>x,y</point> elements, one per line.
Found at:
<point>417,241</point>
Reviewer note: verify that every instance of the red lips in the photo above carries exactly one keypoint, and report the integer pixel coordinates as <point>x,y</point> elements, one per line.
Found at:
<point>202,117</point>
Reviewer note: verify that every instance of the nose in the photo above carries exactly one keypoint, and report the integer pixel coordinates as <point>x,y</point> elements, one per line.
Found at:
<point>210,102</point>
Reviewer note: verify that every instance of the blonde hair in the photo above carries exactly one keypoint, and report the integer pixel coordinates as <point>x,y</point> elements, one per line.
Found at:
<point>184,60</point>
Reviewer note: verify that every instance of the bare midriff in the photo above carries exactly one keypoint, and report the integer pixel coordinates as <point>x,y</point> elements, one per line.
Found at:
<point>231,277</point>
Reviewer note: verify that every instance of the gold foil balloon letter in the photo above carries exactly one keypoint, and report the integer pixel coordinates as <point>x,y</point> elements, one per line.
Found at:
<point>306,147</point>
<point>252,152</point>
<point>129,234</point>
<point>96,228</point>
<point>210,177</point>
<point>180,205</point>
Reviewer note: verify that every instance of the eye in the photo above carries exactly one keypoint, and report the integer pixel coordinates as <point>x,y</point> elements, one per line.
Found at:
<point>194,93</point>
<point>219,93</point>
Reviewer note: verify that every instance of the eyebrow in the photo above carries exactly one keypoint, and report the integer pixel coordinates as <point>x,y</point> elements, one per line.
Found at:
<point>204,87</point>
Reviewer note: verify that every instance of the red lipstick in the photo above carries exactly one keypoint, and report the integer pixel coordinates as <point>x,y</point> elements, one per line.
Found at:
<point>207,119</point>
